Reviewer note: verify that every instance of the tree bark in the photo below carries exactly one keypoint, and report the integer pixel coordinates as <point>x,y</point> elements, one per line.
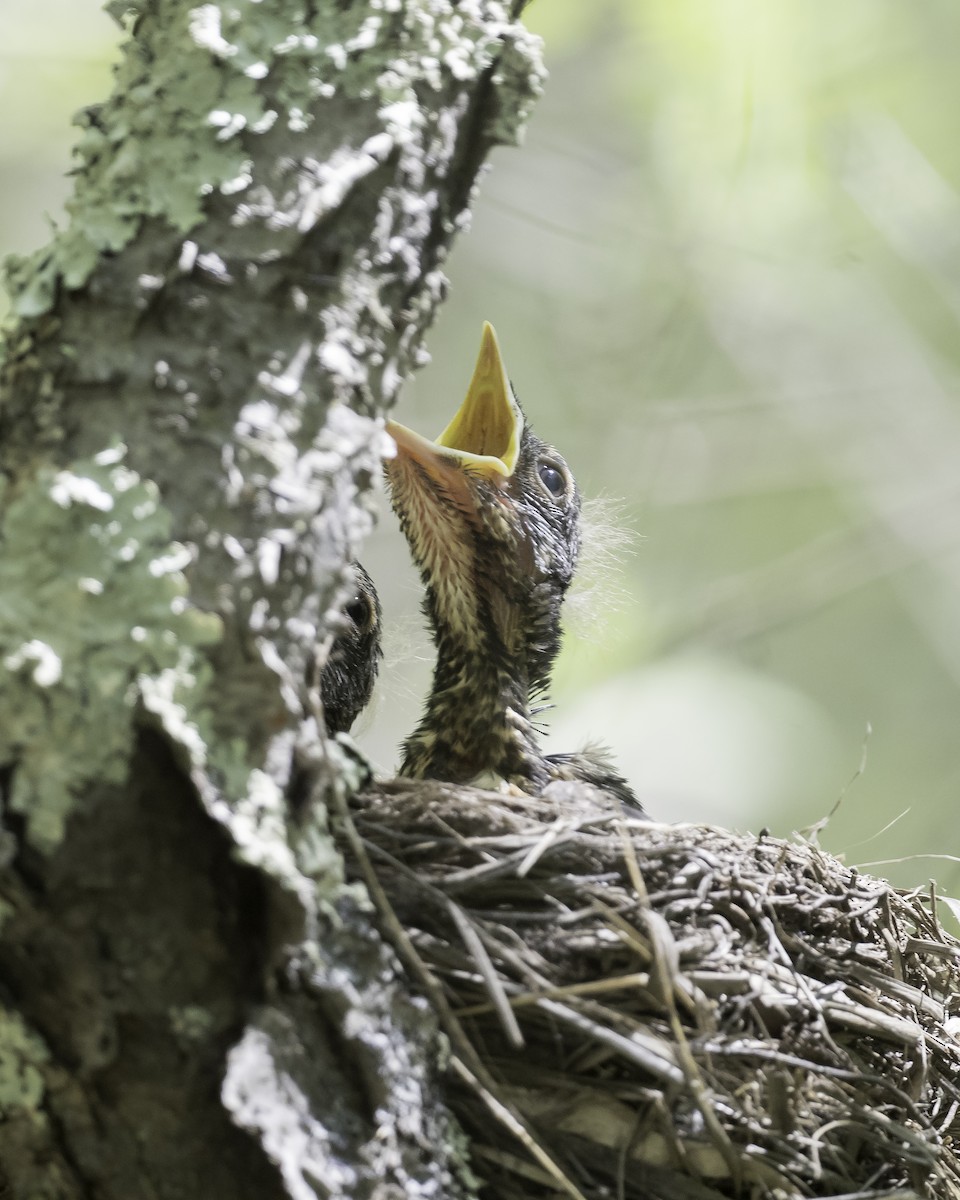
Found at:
<point>194,1002</point>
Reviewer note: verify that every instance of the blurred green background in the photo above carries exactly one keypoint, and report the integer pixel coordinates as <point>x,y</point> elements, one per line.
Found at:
<point>725,272</point>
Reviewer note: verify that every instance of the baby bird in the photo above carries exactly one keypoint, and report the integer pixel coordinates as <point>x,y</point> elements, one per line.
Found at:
<point>492,517</point>
<point>350,671</point>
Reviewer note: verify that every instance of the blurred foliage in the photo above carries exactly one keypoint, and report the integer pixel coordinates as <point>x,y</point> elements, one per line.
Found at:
<point>55,58</point>
<point>725,271</point>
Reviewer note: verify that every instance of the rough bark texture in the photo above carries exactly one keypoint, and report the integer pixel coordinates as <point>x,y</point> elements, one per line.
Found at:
<point>193,1001</point>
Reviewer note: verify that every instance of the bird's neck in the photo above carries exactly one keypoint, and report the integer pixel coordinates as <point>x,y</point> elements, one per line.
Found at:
<point>541,642</point>
<point>477,725</point>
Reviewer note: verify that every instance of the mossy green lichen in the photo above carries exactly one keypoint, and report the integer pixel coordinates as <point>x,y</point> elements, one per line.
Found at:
<point>89,571</point>
<point>197,82</point>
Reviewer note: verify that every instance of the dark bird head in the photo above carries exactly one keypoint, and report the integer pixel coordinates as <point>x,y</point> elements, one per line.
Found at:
<point>350,670</point>
<point>492,516</point>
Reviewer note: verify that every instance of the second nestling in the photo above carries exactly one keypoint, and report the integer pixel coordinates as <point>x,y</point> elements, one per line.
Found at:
<point>350,669</point>
<point>492,517</point>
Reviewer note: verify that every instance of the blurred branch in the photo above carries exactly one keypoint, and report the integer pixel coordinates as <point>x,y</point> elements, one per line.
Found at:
<point>790,588</point>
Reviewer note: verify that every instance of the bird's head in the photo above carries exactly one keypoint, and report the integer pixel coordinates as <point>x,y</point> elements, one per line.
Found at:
<point>353,659</point>
<point>492,516</point>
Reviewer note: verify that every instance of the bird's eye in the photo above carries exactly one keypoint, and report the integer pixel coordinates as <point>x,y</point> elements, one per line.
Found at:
<point>359,611</point>
<point>553,479</point>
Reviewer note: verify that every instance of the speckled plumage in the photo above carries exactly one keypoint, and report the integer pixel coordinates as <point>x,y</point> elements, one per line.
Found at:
<point>495,532</point>
<point>495,574</point>
<point>350,669</point>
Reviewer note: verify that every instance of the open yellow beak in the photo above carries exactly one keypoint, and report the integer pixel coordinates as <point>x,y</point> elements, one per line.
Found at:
<point>484,436</point>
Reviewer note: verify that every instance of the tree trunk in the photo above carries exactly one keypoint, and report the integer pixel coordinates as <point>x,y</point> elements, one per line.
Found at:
<point>195,1003</point>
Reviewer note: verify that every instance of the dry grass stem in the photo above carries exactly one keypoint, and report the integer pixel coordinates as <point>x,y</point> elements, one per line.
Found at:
<point>641,1010</point>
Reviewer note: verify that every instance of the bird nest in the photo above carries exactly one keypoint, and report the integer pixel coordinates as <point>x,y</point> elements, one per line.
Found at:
<point>638,1009</point>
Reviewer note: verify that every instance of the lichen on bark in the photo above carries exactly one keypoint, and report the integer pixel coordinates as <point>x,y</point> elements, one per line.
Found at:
<point>90,573</point>
<point>191,399</point>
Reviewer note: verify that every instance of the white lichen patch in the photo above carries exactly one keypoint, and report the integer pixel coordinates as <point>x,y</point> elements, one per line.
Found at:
<point>47,667</point>
<point>269,550</point>
<point>336,359</point>
<point>68,489</point>
<point>324,185</point>
<point>177,558</point>
<point>165,694</point>
<point>257,821</point>
<point>116,453</point>
<point>205,29</point>
<point>288,382</point>
<point>263,1096</point>
<point>98,601</point>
